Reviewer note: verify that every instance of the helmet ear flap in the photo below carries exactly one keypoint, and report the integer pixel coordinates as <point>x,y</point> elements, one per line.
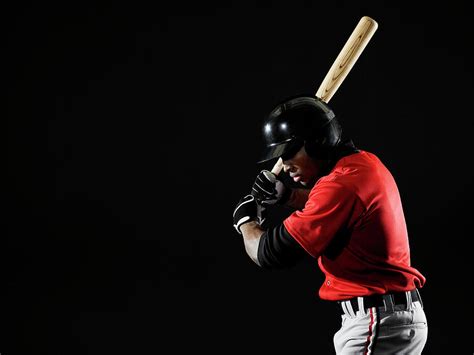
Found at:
<point>322,146</point>
<point>316,150</point>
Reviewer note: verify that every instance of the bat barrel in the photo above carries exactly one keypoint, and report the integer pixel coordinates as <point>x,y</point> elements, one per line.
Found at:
<point>347,57</point>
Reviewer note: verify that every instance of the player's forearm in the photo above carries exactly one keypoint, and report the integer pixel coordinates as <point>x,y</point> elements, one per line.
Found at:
<point>298,198</point>
<point>252,233</point>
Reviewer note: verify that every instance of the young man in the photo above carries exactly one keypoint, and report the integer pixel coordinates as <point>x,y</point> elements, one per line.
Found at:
<point>349,216</point>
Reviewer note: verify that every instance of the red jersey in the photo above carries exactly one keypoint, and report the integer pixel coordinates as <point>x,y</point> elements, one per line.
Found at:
<point>353,222</point>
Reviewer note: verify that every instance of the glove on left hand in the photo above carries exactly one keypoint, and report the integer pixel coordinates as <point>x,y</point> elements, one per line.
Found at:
<point>269,190</point>
<point>246,211</point>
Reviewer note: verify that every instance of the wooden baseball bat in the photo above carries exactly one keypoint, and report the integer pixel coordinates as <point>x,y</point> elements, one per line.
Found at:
<point>344,62</point>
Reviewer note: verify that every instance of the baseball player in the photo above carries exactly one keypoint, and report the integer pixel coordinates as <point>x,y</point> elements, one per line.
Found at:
<point>348,215</point>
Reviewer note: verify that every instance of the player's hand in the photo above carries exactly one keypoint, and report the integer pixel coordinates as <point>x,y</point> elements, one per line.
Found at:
<point>246,211</point>
<point>269,190</point>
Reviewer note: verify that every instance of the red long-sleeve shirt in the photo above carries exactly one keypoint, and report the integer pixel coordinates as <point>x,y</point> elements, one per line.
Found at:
<point>353,222</point>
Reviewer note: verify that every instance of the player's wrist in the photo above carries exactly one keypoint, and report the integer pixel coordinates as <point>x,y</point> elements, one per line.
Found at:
<point>249,226</point>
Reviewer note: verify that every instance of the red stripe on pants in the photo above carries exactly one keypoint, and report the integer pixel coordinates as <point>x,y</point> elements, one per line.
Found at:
<point>370,332</point>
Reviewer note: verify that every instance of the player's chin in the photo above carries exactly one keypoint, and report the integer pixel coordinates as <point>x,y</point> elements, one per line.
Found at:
<point>307,182</point>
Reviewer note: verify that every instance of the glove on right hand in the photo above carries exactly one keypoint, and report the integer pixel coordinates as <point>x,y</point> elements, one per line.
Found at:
<point>245,211</point>
<point>269,190</point>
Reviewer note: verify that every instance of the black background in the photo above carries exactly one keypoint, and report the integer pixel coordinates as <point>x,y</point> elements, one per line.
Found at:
<point>134,129</point>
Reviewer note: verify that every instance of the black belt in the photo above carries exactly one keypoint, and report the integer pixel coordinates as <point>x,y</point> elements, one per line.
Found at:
<point>396,298</point>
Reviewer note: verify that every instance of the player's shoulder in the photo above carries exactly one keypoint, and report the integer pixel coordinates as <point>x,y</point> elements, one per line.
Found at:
<point>352,170</point>
<point>361,161</point>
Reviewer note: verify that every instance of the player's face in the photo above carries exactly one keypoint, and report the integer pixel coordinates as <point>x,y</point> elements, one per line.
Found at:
<point>302,168</point>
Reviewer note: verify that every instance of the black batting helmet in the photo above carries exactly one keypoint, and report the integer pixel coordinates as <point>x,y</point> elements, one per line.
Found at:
<point>301,120</point>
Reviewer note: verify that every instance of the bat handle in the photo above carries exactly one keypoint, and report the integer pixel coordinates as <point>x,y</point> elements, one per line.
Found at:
<point>277,167</point>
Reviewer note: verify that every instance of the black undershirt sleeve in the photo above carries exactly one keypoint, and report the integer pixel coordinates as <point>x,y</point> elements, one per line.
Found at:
<point>278,249</point>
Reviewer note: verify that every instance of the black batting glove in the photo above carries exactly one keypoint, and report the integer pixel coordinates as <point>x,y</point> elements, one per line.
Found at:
<point>247,210</point>
<point>269,190</point>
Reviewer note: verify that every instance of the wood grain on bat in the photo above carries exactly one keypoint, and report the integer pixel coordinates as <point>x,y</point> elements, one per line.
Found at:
<point>347,57</point>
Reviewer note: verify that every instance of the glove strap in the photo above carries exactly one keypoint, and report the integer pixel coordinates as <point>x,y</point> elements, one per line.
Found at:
<point>241,221</point>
